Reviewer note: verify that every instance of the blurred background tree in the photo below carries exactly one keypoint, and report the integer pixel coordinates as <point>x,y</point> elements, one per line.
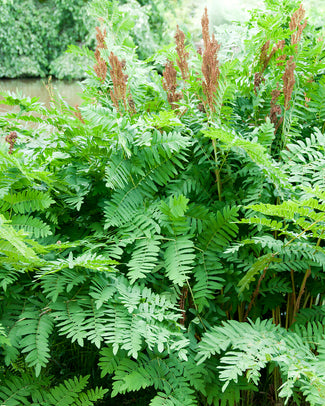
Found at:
<point>34,34</point>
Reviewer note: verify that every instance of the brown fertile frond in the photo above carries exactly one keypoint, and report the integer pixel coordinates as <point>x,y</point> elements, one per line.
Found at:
<point>281,59</point>
<point>210,63</point>
<point>264,57</point>
<point>288,82</point>
<point>182,299</point>
<point>295,23</point>
<point>211,72</point>
<point>205,28</point>
<point>264,54</point>
<point>275,111</point>
<point>100,37</point>
<point>258,79</point>
<point>182,54</point>
<point>100,66</point>
<point>118,93</point>
<point>131,104</point>
<point>11,139</point>
<point>77,113</point>
<point>170,85</point>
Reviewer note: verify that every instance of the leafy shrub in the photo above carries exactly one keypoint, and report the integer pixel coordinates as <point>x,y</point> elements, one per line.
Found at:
<point>170,229</point>
<point>34,33</point>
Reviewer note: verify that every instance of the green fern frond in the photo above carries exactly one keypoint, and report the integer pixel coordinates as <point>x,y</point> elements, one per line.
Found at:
<point>8,273</point>
<point>101,291</point>
<point>209,281</point>
<point>16,391</point>
<point>33,226</point>
<point>312,333</point>
<point>144,258</point>
<point>261,264</point>
<point>88,260</point>
<point>123,206</point>
<point>272,224</point>
<point>90,397</point>
<point>3,336</point>
<point>142,225</point>
<point>56,283</point>
<point>164,374</point>
<point>26,201</point>
<point>118,172</point>
<point>219,231</point>
<point>35,328</point>
<point>161,164</point>
<point>179,259</point>
<point>254,150</point>
<point>69,320</point>
<point>16,240</point>
<point>67,393</point>
<point>249,347</point>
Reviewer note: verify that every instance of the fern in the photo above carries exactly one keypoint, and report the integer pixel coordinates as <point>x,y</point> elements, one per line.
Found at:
<point>179,256</point>
<point>27,390</point>
<point>35,328</point>
<point>255,345</point>
<point>217,233</point>
<point>33,226</point>
<point>124,231</point>
<point>144,258</point>
<point>16,240</point>
<point>150,370</point>
<point>26,201</point>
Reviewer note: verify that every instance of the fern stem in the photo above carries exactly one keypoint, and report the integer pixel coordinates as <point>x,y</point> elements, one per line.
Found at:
<point>217,170</point>
<point>291,301</point>
<point>308,296</point>
<point>256,292</point>
<point>303,232</point>
<point>302,289</point>
<point>195,305</point>
<point>293,286</point>
<point>287,311</point>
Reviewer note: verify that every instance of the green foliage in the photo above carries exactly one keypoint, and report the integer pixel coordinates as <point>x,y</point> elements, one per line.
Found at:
<point>176,246</point>
<point>27,390</point>
<point>35,33</point>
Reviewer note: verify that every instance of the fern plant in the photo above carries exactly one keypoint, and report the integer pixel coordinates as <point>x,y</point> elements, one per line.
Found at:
<point>170,229</point>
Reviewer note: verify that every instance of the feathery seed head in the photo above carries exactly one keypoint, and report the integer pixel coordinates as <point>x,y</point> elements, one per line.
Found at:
<point>297,22</point>
<point>118,93</point>
<point>77,113</point>
<point>210,63</point>
<point>100,66</point>
<point>288,82</point>
<point>170,85</point>
<point>11,139</point>
<point>182,54</point>
<point>275,112</point>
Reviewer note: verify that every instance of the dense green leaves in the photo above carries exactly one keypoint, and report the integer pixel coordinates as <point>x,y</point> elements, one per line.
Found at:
<point>167,231</point>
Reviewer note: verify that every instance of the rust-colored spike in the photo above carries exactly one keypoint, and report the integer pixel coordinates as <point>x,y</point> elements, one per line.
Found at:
<point>118,93</point>
<point>265,57</point>
<point>297,23</point>
<point>11,140</point>
<point>77,113</point>
<point>170,85</point>
<point>275,112</point>
<point>210,63</point>
<point>100,66</point>
<point>182,54</point>
<point>288,82</point>
<point>211,72</point>
<point>205,28</point>
<point>100,37</point>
